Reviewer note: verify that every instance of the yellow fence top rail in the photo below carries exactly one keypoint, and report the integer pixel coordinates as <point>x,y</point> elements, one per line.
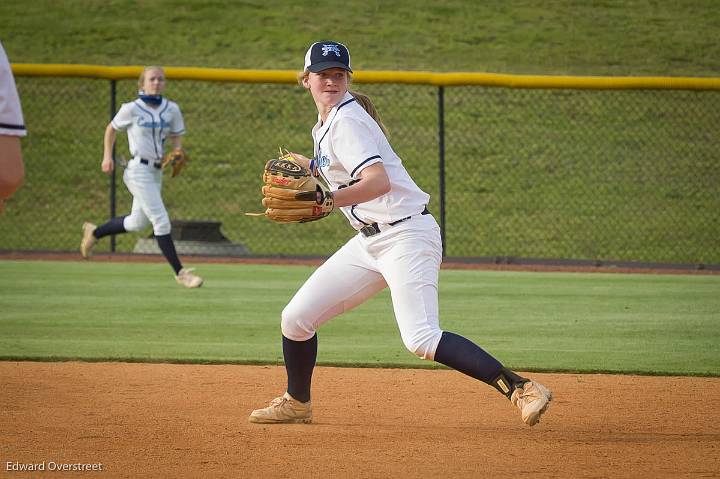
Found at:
<point>378,76</point>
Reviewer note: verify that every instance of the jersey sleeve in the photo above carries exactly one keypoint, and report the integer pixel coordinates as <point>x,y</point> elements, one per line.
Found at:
<point>123,118</point>
<point>11,116</point>
<point>355,145</point>
<point>177,123</point>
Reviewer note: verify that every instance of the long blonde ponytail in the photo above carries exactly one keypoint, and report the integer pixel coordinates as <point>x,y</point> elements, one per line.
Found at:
<point>369,107</point>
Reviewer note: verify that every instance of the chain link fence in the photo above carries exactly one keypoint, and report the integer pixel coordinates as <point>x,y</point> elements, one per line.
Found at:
<point>547,173</point>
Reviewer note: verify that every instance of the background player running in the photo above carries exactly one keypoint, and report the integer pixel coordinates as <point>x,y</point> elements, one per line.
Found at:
<point>149,120</point>
<point>397,246</point>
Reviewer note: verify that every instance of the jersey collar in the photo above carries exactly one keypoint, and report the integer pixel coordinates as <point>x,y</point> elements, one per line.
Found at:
<point>322,128</point>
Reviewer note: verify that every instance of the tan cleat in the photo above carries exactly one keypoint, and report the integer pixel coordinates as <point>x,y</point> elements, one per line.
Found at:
<point>188,279</point>
<point>283,410</point>
<point>88,240</point>
<point>533,400</point>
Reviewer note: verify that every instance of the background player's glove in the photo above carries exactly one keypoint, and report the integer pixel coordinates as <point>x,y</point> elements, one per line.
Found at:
<point>292,194</point>
<point>177,159</point>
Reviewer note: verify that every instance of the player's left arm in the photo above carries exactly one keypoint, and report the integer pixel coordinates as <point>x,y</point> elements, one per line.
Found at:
<point>356,147</point>
<point>177,158</point>
<point>177,128</point>
<point>12,169</point>
<point>374,182</point>
<point>176,142</point>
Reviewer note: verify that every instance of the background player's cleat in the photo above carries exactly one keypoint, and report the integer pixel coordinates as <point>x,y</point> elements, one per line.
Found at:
<point>88,240</point>
<point>532,399</point>
<point>283,410</point>
<point>188,279</point>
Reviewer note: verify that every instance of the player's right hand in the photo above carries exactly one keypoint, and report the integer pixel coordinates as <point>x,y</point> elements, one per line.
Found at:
<point>108,165</point>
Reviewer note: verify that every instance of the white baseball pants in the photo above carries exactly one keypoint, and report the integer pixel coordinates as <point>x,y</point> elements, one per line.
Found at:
<point>405,257</point>
<point>145,184</point>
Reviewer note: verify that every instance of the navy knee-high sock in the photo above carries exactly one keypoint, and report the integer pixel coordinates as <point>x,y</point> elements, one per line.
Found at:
<point>112,227</point>
<point>300,359</point>
<point>167,247</point>
<point>467,357</point>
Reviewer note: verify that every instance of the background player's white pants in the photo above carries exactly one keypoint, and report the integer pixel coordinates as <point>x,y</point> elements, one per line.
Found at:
<point>145,184</point>
<point>406,257</point>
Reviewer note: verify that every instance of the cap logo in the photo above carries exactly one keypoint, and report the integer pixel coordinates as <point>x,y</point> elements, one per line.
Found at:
<point>328,49</point>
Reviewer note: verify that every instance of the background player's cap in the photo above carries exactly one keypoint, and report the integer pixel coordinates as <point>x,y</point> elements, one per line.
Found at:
<point>323,55</point>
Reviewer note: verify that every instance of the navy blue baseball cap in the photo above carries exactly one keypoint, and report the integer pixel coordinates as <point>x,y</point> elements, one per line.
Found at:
<point>323,55</point>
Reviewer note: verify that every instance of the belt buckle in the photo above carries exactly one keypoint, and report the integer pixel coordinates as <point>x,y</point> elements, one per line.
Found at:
<point>370,230</point>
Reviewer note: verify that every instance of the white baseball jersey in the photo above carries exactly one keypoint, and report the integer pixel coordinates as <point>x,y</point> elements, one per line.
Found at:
<point>11,117</point>
<point>349,141</point>
<point>148,127</point>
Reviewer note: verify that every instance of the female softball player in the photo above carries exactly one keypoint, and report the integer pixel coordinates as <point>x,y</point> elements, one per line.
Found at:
<point>149,120</point>
<point>397,246</point>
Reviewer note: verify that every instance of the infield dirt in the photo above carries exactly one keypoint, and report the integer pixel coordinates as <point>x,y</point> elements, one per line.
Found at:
<point>174,421</point>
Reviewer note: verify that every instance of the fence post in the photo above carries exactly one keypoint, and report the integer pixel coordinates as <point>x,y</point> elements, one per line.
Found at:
<point>441,162</point>
<point>113,91</point>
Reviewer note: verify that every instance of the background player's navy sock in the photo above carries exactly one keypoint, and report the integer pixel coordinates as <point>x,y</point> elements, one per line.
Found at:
<point>112,227</point>
<point>167,247</point>
<point>299,363</point>
<point>467,357</point>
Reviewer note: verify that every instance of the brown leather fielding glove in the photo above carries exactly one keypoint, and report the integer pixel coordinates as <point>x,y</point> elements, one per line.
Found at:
<point>291,194</point>
<point>177,159</point>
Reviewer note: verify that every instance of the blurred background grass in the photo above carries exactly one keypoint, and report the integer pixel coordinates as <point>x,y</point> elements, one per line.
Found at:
<point>610,37</point>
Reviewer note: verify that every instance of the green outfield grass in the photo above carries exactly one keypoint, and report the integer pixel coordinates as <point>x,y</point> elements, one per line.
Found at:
<point>650,324</point>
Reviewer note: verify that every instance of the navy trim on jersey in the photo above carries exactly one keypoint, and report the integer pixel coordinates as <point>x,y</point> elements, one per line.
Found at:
<point>162,139</point>
<point>352,212</point>
<point>152,120</point>
<point>319,151</point>
<point>156,140</point>
<point>365,161</point>
<point>352,208</point>
<point>318,148</point>
<point>349,101</point>
<point>12,127</point>
<point>167,105</point>
<point>331,119</point>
